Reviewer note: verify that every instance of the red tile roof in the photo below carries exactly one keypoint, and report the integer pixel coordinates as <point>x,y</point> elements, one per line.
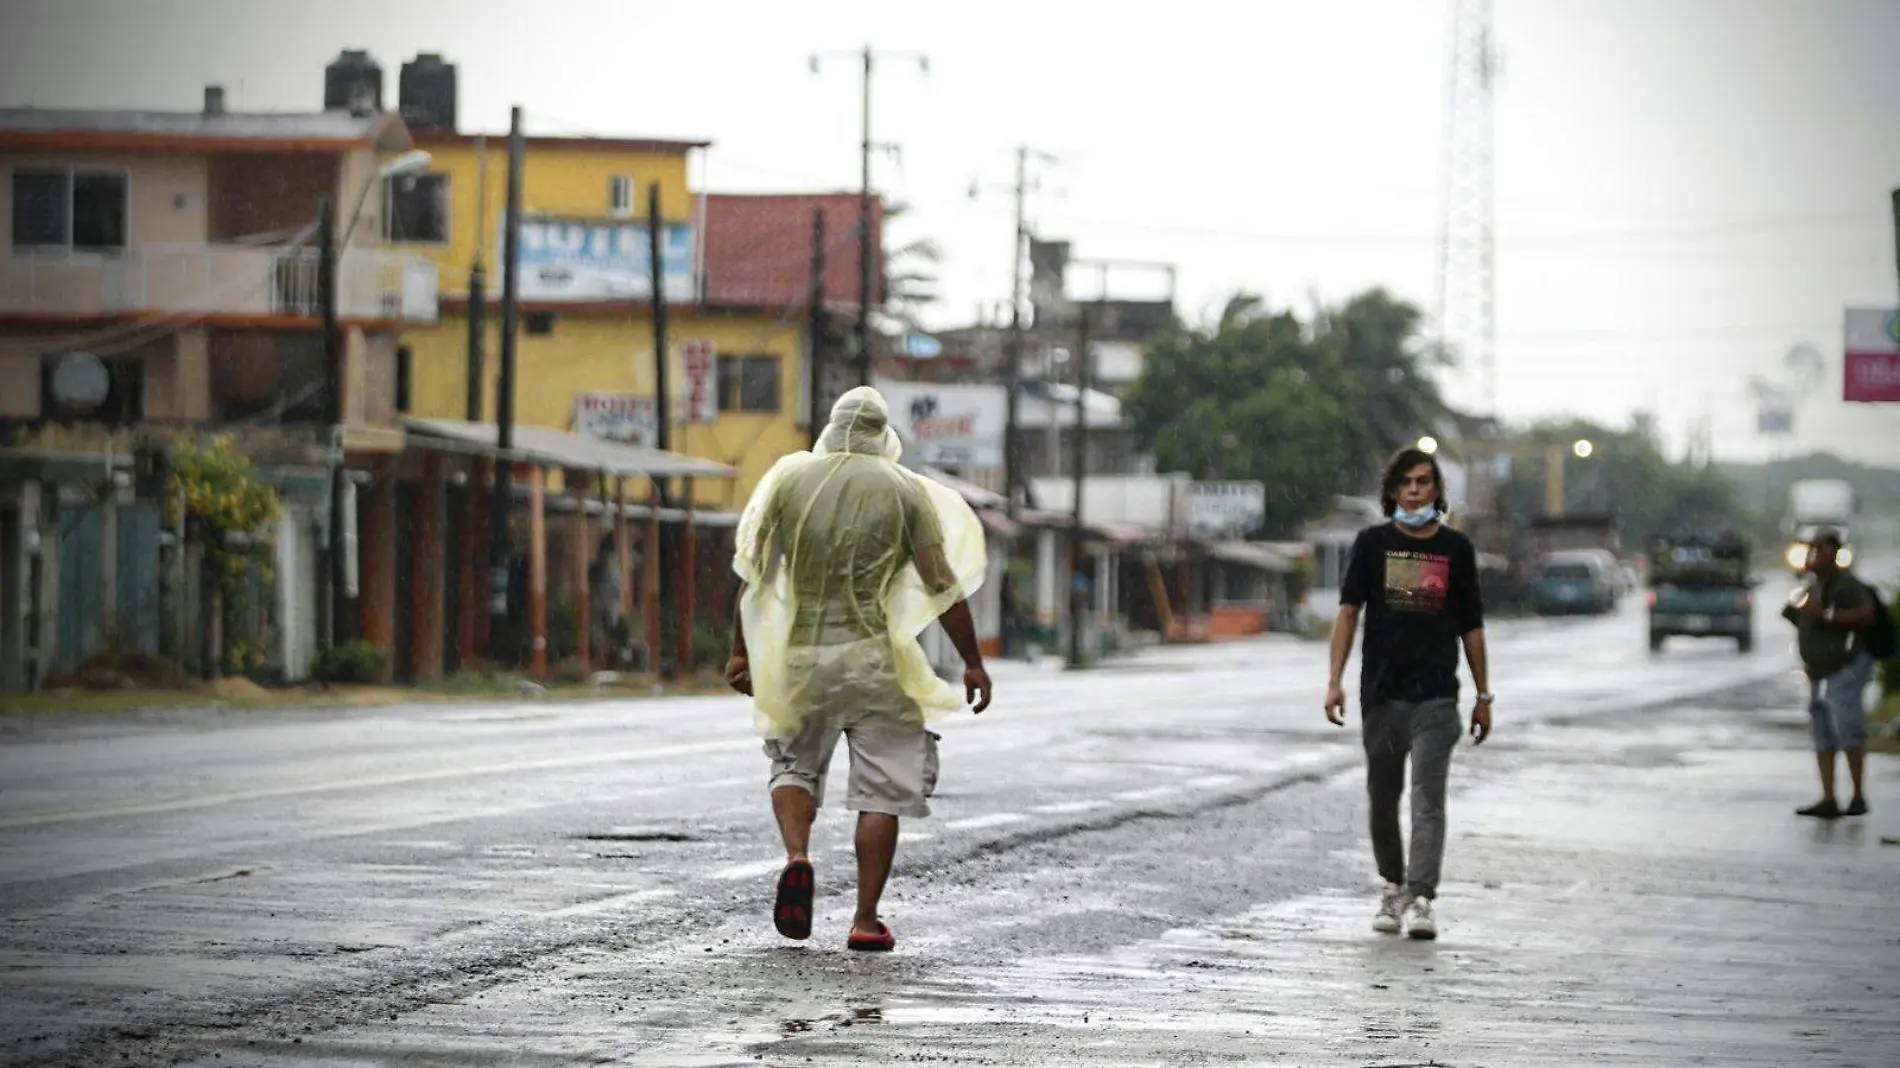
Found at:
<point>758,248</point>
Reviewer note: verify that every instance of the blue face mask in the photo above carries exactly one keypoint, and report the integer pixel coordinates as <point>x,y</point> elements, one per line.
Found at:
<point>1415,520</point>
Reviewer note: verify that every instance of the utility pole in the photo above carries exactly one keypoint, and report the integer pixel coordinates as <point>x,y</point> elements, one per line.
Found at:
<point>656,274</point>
<point>339,599</point>
<point>498,550</point>
<point>1013,346</point>
<point>1896,231</point>
<point>1013,349</point>
<point>867,245</point>
<point>814,386</point>
<point>478,290</point>
<point>1078,597</point>
<point>662,405</point>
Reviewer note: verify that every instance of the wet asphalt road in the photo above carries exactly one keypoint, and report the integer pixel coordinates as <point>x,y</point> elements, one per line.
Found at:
<point>588,883</point>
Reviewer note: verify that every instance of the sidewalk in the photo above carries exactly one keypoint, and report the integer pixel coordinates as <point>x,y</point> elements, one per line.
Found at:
<point>1632,893</point>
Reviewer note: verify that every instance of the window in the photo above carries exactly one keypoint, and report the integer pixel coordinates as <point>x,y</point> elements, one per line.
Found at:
<point>418,209</point>
<point>620,195</point>
<point>65,208</point>
<point>748,384</point>
<point>540,324</point>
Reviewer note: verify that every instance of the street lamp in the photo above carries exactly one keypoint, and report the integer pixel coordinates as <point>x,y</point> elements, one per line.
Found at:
<point>401,166</point>
<point>328,252</point>
<point>1428,445</point>
<point>1582,449</point>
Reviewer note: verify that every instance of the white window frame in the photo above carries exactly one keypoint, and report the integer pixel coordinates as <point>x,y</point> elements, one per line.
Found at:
<point>448,211</point>
<point>72,171</point>
<point>615,183</point>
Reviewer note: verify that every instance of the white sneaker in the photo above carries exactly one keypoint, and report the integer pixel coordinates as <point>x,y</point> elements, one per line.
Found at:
<point>1418,918</point>
<point>1391,906</point>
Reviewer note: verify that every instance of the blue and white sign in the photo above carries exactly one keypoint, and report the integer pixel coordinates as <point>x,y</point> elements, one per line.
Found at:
<point>587,260</point>
<point>922,347</point>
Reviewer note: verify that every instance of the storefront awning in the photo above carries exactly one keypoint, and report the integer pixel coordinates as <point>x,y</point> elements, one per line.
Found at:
<point>1251,554</point>
<point>558,448</point>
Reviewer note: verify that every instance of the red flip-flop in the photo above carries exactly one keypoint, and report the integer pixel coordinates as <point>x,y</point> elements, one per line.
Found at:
<point>881,942</point>
<point>797,885</point>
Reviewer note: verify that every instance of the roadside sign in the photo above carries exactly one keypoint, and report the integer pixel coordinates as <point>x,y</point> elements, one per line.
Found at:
<point>702,383</point>
<point>1871,369</point>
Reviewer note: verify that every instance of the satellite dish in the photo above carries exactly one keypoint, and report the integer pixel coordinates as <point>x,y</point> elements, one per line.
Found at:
<point>80,383</point>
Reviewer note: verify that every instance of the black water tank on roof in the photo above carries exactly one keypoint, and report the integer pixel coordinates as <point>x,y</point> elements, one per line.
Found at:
<point>353,82</point>
<point>426,93</point>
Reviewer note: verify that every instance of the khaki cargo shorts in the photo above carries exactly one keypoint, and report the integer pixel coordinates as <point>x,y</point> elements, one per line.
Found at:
<point>855,697</point>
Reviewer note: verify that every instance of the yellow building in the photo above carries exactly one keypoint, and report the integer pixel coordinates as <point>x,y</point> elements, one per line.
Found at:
<point>585,343</point>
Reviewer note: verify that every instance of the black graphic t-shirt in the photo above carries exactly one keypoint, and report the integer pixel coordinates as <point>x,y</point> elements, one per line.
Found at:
<point>1419,596</point>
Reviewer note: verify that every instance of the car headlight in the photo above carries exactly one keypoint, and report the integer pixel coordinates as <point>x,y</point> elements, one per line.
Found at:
<point>1845,558</point>
<point>1798,556</point>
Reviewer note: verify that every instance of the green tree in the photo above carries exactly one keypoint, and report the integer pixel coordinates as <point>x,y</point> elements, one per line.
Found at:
<point>1390,369</point>
<point>1255,396</point>
<point>1626,476</point>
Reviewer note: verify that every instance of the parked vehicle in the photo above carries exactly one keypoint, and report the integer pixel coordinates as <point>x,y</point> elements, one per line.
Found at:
<point>1701,588</point>
<point>1575,581</point>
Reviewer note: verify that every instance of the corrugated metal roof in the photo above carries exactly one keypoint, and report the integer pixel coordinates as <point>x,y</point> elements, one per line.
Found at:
<point>758,248</point>
<point>558,448</point>
<point>260,126</point>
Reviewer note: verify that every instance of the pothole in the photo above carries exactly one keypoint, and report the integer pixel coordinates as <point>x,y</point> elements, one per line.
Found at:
<point>637,836</point>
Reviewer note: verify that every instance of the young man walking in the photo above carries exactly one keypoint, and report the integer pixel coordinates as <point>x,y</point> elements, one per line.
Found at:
<point>1415,580</point>
<point>1832,616</point>
<point>846,558</point>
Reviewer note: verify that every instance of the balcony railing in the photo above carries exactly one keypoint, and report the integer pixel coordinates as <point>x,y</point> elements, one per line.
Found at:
<point>374,284</point>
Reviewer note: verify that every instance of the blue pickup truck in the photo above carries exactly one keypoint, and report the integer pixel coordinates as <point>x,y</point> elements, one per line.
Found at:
<point>1701,589</point>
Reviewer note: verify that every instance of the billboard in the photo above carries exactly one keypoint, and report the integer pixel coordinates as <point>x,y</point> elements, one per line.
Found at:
<point>949,426</point>
<point>590,260</point>
<point>1227,507</point>
<point>628,418</point>
<point>1872,366</point>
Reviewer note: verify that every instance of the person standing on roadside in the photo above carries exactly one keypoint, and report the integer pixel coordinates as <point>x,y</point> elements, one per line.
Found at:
<point>846,557</point>
<point>1832,614</point>
<point>1416,582</point>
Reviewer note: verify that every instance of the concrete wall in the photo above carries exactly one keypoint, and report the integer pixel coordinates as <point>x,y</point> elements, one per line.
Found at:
<point>613,351</point>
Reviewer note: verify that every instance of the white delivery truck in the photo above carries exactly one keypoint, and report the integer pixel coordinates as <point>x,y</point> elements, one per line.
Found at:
<point>1814,503</point>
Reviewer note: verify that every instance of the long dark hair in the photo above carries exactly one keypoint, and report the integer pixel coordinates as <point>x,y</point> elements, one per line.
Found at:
<point>1398,467</point>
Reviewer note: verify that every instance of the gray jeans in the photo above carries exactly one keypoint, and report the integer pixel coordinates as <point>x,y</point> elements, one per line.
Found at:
<point>1426,731</point>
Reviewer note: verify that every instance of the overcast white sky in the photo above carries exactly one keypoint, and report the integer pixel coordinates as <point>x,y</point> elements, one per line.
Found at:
<point>1686,188</point>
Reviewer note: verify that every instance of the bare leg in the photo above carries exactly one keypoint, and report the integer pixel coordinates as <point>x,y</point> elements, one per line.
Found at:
<point>1856,765</point>
<point>1825,758</point>
<point>877,849</point>
<point>796,809</point>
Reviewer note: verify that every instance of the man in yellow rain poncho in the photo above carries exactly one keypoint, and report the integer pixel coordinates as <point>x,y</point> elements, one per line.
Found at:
<point>846,558</point>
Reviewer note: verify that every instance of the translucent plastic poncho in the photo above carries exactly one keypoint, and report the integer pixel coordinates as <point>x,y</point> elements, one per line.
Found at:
<point>847,557</point>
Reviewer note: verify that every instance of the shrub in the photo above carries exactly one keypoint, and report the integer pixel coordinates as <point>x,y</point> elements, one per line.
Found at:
<point>356,662</point>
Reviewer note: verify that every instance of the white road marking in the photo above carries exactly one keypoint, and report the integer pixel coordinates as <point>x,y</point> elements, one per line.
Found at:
<point>757,869</point>
<point>608,904</point>
<point>994,819</point>
<point>1064,808</point>
<point>1149,794</point>
<point>1208,782</point>
<point>185,804</point>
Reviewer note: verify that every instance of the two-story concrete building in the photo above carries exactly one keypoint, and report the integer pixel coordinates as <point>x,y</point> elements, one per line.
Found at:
<point>159,278</point>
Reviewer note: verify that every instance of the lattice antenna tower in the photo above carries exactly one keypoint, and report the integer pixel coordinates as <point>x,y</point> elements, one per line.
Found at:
<point>1466,315</point>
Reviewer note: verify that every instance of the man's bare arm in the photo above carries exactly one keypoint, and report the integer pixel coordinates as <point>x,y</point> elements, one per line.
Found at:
<point>934,567</point>
<point>1345,627</point>
<point>1478,655</point>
